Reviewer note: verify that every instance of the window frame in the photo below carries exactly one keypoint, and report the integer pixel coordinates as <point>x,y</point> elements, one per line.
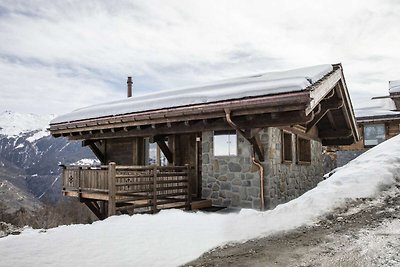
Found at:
<point>374,124</point>
<point>299,159</point>
<point>283,145</point>
<point>226,132</point>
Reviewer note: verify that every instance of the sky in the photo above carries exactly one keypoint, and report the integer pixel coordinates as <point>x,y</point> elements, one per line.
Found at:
<point>57,56</point>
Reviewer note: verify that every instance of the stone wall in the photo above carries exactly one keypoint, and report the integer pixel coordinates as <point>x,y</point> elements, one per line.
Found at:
<point>344,157</point>
<point>229,181</point>
<point>286,181</point>
<point>235,182</point>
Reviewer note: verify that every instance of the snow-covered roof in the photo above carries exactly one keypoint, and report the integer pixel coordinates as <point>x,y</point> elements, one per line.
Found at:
<point>250,86</point>
<point>394,86</point>
<point>381,107</point>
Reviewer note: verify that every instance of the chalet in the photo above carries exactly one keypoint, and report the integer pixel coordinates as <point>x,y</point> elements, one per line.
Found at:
<point>377,122</point>
<point>251,142</point>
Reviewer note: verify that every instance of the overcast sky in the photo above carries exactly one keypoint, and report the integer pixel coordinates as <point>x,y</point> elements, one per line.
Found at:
<point>56,56</point>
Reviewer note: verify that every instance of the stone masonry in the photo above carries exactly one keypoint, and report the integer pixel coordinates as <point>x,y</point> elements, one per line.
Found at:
<point>233,181</point>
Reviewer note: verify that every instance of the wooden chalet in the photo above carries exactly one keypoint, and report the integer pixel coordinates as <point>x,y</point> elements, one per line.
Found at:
<point>249,142</point>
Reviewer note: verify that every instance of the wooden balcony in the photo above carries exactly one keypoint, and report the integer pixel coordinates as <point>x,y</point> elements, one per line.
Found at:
<point>111,189</point>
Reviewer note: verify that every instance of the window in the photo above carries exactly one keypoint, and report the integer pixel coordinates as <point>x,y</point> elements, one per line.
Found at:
<point>153,154</point>
<point>303,150</point>
<point>287,155</point>
<point>374,134</point>
<point>225,143</point>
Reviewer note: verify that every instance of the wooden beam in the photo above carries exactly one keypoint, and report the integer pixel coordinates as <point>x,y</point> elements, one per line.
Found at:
<point>331,120</point>
<point>94,208</point>
<point>338,141</point>
<point>97,152</point>
<point>326,107</point>
<point>249,134</point>
<point>257,146</point>
<point>332,134</point>
<point>256,105</point>
<point>323,88</point>
<point>300,131</point>
<point>111,189</point>
<point>166,151</point>
<point>257,121</point>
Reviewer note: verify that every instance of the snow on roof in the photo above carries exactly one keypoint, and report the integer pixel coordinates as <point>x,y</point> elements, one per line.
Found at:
<point>134,240</point>
<point>377,108</point>
<point>394,86</point>
<point>249,86</point>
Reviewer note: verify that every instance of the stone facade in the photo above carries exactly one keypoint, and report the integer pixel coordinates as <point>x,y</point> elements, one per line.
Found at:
<point>234,181</point>
<point>345,156</point>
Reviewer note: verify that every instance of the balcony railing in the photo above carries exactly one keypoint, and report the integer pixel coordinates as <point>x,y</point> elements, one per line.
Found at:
<point>135,188</point>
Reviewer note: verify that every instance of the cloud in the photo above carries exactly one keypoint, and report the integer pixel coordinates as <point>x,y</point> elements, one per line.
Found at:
<point>69,54</point>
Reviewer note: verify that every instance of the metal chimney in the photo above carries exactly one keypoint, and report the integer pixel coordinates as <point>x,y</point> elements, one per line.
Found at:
<point>129,82</point>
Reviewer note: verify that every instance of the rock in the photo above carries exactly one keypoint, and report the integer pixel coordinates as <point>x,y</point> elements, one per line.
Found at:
<point>234,167</point>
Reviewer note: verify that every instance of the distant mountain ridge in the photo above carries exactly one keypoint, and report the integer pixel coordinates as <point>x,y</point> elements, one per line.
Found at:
<point>29,158</point>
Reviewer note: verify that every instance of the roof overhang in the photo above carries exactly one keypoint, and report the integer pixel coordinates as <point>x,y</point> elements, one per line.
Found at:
<point>323,109</point>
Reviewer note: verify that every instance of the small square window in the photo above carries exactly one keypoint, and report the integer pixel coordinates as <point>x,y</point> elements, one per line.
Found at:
<point>225,143</point>
<point>287,155</point>
<point>374,134</point>
<point>303,150</point>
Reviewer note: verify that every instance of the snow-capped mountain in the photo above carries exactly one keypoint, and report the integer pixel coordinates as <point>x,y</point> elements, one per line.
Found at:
<point>29,156</point>
<point>13,124</point>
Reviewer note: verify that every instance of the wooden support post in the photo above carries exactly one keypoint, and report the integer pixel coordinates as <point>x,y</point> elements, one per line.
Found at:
<point>189,193</point>
<point>155,189</point>
<point>111,189</point>
<point>166,151</point>
<point>64,179</point>
<point>79,183</point>
<point>92,205</point>
<point>96,150</point>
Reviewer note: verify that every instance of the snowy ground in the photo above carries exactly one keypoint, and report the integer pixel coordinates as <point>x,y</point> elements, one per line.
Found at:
<point>365,232</point>
<point>174,237</point>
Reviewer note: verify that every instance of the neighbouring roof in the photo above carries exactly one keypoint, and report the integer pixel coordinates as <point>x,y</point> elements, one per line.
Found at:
<point>381,107</point>
<point>245,87</point>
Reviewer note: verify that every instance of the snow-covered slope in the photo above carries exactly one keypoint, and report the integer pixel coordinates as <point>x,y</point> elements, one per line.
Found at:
<point>174,237</point>
<point>13,124</point>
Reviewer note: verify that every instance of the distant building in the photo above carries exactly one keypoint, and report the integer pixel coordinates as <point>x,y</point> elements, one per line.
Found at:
<point>251,142</point>
<point>377,122</point>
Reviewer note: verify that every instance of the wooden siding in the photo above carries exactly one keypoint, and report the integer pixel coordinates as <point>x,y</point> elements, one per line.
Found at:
<point>121,151</point>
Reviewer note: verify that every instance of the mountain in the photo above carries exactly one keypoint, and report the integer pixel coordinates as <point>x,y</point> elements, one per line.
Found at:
<point>30,158</point>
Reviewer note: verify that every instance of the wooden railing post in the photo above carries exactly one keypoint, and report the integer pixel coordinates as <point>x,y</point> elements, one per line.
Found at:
<point>63,176</point>
<point>189,193</point>
<point>155,189</point>
<point>111,189</point>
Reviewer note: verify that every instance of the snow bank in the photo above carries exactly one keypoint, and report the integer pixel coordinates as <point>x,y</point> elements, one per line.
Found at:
<point>85,161</point>
<point>175,237</point>
<point>250,86</point>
